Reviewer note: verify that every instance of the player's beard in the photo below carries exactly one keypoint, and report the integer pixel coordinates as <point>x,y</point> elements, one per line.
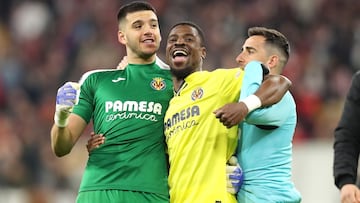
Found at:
<point>143,52</point>
<point>182,73</point>
<point>146,55</point>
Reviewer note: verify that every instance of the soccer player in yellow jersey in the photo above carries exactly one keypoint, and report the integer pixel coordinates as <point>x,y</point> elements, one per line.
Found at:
<point>198,144</point>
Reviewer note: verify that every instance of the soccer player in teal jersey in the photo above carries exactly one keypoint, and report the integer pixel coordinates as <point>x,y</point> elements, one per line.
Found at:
<point>128,107</point>
<point>265,145</point>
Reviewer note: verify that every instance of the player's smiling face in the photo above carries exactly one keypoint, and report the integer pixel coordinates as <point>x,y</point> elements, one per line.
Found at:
<point>184,50</point>
<point>142,33</point>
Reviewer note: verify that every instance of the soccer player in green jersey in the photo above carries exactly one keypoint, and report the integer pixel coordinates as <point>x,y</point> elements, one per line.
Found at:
<point>128,106</point>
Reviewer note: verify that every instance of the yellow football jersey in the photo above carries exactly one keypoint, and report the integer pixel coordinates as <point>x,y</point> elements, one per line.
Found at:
<point>199,145</point>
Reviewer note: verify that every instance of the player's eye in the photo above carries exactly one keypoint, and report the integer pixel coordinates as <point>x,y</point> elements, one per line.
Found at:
<point>189,39</point>
<point>172,39</point>
<point>137,26</point>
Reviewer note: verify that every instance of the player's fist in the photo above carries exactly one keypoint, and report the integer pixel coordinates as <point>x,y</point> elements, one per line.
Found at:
<point>234,175</point>
<point>65,100</point>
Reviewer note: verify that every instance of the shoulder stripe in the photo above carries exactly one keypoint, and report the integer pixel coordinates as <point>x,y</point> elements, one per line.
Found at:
<point>161,63</point>
<point>87,74</point>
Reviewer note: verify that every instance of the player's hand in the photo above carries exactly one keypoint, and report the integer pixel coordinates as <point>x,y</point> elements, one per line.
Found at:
<point>234,176</point>
<point>123,63</point>
<point>65,100</point>
<point>231,114</point>
<point>95,141</point>
<point>350,193</point>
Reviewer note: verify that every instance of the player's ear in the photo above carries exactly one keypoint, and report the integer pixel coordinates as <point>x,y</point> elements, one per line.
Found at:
<point>272,62</point>
<point>121,37</point>
<point>203,52</point>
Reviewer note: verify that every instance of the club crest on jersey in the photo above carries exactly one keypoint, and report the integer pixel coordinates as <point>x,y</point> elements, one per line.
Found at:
<point>158,83</point>
<point>197,94</point>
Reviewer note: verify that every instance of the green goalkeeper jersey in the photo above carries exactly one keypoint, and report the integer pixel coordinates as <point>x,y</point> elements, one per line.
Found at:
<point>128,107</point>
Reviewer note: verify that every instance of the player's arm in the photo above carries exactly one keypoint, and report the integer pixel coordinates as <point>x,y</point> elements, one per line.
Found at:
<point>64,138</point>
<point>257,91</point>
<point>272,89</point>
<point>260,89</point>
<point>274,115</point>
<point>67,127</point>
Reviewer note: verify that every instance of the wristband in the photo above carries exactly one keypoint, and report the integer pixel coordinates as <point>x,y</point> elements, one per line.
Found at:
<point>252,102</point>
<point>61,118</point>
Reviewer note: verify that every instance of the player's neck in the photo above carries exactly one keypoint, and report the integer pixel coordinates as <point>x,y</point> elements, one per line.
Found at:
<point>141,60</point>
<point>178,85</point>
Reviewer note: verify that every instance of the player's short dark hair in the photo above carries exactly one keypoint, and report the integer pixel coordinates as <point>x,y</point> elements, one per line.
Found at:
<point>194,25</point>
<point>273,38</point>
<point>134,7</point>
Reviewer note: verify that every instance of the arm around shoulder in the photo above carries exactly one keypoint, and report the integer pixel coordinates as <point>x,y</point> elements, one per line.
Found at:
<point>273,89</point>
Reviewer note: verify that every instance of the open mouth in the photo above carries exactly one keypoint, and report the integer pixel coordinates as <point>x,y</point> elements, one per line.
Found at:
<point>180,53</point>
<point>180,56</point>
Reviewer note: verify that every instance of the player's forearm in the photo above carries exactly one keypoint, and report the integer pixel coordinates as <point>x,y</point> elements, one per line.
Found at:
<point>61,141</point>
<point>272,89</point>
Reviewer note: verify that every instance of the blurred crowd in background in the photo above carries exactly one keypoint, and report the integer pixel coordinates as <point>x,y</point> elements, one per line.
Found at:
<point>44,43</point>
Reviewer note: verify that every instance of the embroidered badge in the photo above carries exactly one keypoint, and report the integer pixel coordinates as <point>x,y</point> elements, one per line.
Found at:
<point>158,83</point>
<point>197,94</point>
